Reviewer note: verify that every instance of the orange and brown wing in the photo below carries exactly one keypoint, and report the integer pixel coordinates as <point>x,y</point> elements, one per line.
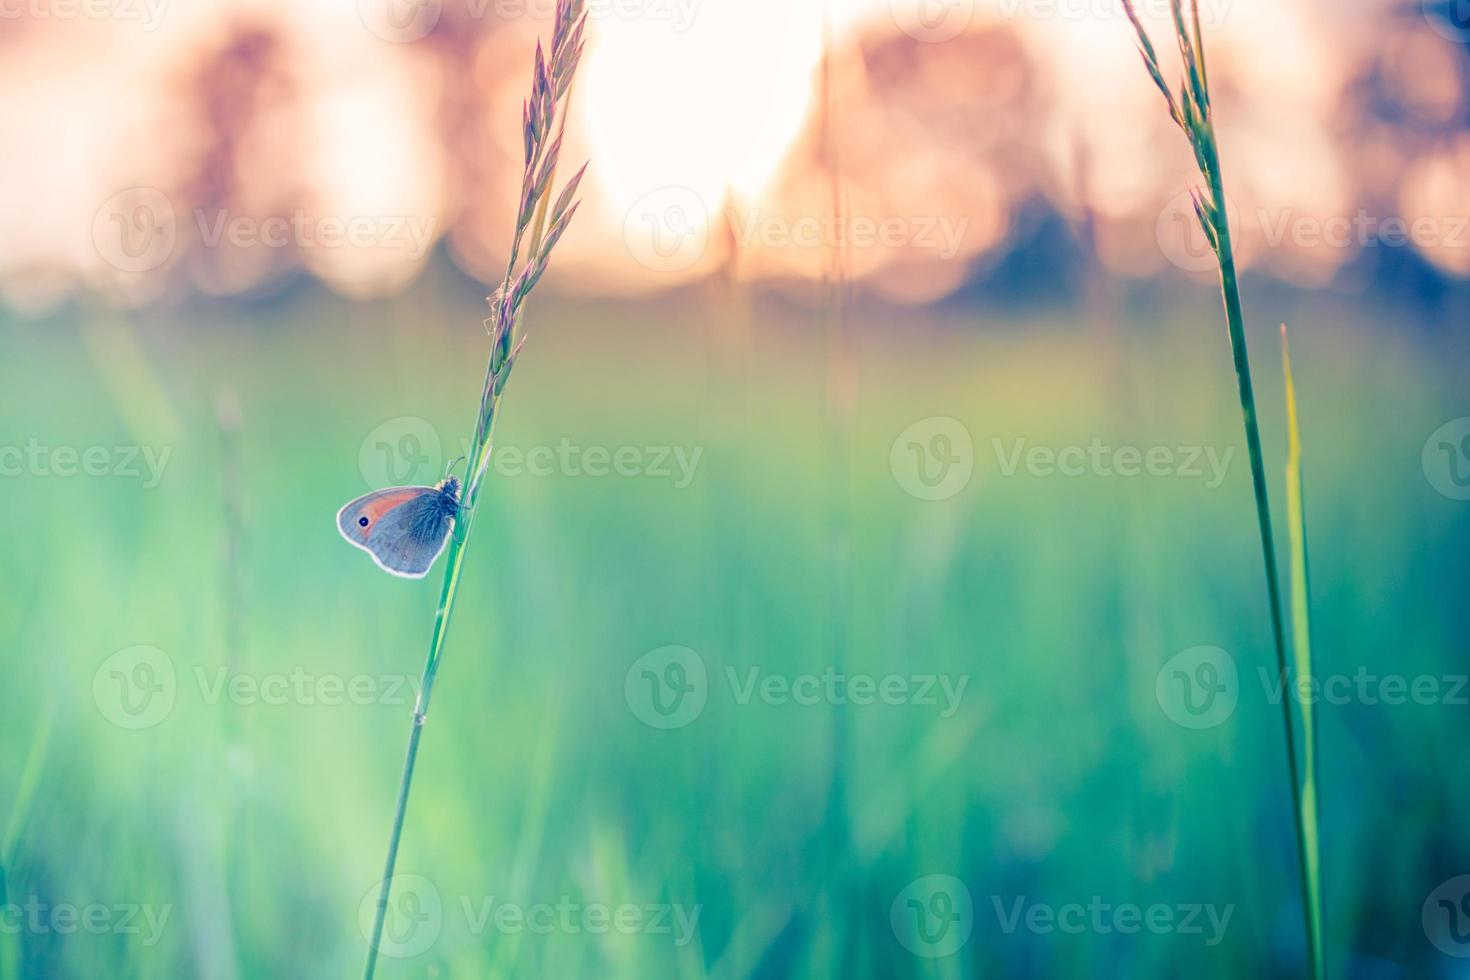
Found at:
<point>357,520</point>
<point>404,528</point>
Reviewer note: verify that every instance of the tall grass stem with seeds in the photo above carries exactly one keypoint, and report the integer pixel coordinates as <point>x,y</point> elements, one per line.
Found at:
<point>1193,112</point>
<point>543,124</point>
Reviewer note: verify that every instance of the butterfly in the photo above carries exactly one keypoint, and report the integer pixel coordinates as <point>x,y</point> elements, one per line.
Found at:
<point>403,528</point>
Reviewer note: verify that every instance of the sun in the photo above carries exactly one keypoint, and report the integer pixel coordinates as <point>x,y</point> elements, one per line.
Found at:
<point>702,95</point>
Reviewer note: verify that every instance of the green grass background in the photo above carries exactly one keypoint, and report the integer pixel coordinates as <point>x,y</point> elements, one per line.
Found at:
<point>791,828</point>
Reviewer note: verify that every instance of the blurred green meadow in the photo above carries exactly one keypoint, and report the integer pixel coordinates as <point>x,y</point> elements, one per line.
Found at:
<point>765,712</point>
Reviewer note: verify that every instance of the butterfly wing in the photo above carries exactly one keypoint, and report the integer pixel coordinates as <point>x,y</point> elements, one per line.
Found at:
<point>403,528</point>
<point>372,506</point>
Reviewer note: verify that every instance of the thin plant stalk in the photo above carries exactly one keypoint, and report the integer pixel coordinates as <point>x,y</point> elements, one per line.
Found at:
<point>1301,625</point>
<point>1304,809</point>
<point>1193,113</point>
<point>544,111</point>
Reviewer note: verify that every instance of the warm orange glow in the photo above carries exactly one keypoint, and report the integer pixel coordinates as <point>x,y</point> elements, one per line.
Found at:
<point>949,115</point>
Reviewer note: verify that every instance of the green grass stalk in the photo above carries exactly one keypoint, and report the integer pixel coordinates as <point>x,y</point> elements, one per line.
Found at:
<point>1193,112</point>
<point>1304,814</point>
<point>543,112</point>
<point>1301,623</point>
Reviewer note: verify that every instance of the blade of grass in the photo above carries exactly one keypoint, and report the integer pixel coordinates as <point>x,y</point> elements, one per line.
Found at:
<point>550,85</point>
<point>1301,622</point>
<point>1193,112</point>
<point>1230,285</point>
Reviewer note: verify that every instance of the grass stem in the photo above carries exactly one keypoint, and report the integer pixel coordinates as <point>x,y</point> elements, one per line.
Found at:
<point>1193,112</point>
<point>545,109</point>
<point>1231,290</point>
